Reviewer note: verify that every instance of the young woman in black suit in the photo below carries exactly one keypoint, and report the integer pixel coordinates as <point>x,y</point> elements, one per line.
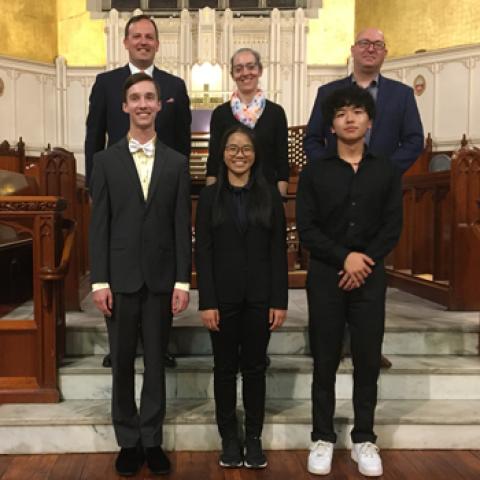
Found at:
<point>243,287</point>
<point>249,106</point>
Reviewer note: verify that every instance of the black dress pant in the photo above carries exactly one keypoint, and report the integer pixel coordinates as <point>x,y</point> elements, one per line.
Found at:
<point>330,309</point>
<point>153,313</point>
<point>241,344</point>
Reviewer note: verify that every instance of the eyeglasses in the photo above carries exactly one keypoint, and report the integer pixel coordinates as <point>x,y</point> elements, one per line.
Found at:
<point>233,149</point>
<point>365,44</point>
<point>250,67</point>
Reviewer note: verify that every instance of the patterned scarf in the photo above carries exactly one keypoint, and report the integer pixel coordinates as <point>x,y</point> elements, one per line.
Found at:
<point>249,114</point>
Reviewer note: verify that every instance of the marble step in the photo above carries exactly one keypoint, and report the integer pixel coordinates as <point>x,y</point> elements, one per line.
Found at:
<point>195,340</point>
<point>413,327</point>
<point>289,377</point>
<point>85,425</point>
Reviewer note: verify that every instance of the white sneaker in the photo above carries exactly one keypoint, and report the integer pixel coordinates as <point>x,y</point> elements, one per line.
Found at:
<point>368,459</point>
<point>320,458</point>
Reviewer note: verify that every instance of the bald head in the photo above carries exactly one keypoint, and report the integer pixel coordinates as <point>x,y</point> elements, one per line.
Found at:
<point>368,52</point>
<point>370,32</point>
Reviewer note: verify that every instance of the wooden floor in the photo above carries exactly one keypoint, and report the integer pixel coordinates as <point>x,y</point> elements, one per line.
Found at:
<point>283,465</point>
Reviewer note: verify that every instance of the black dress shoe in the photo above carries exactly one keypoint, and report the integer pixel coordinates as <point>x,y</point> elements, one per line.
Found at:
<point>231,456</point>
<point>385,362</point>
<point>254,456</point>
<point>107,361</point>
<point>170,361</point>
<point>129,461</point>
<point>157,461</point>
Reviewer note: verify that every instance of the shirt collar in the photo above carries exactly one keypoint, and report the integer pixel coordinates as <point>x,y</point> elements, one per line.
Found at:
<point>367,155</point>
<point>245,188</point>
<point>134,69</point>
<point>373,83</point>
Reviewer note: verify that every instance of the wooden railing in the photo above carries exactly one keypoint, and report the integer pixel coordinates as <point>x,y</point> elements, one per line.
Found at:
<point>32,346</point>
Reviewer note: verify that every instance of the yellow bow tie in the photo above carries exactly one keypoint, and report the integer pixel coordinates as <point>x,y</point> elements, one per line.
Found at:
<point>134,146</point>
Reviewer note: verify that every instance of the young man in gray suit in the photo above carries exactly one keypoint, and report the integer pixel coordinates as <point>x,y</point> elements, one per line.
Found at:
<point>140,249</point>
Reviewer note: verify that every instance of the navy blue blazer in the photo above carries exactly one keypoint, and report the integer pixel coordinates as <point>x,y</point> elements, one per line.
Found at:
<point>106,117</point>
<point>397,131</point>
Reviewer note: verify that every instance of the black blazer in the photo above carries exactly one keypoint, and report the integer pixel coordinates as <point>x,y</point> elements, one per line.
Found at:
<point>106,117</point>
<point>133,242</point>
<point>271,131</point>
<point>233,266</point>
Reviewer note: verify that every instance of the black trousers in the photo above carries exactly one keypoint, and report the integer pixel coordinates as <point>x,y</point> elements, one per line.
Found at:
<point>241,344</point>
<point>153,313</point>
<point>330,309</point>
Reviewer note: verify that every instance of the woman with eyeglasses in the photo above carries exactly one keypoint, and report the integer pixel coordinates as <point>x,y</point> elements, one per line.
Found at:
<point>242,276</point>
<point>249,106</point>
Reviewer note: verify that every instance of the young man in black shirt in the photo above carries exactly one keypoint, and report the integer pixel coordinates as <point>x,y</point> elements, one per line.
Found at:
<point>349,216</point>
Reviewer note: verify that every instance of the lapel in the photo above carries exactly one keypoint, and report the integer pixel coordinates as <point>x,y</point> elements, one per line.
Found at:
<point>379,106</point>
<point>158,167</point>
<point>129,165</point>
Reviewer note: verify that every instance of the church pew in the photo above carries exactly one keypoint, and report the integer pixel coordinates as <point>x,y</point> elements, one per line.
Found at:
<point>438,255</point>
<point>55,173</point>
<point>33,343</point>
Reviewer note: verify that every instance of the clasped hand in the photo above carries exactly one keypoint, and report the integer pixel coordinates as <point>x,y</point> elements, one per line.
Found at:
<point>356,268</point>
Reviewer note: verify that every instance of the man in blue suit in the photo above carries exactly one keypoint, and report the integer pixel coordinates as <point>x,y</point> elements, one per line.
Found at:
<point>107,123</point>
<point>397,131</point>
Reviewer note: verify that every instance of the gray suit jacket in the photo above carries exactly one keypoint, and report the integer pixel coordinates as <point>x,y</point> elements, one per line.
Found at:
<point>133,241</point>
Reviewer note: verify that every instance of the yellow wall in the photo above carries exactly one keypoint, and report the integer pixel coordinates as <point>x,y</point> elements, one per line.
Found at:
<point>28,29</point>
<point>81,39</point>
<point>331,34</point>
<point>410,25</point>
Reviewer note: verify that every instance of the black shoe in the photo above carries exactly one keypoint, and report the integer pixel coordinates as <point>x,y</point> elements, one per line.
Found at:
<point>254,456</point>
<point>129,461</point>
<point>157,461</point>
<point>231,456</point>
<point>107,361</point>
<point>170,361</point>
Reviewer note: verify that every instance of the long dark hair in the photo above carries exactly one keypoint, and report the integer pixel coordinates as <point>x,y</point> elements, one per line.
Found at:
<point>259,205</point>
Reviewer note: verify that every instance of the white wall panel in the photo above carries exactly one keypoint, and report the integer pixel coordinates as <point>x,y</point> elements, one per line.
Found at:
<point>30,105</point>
<point>425,101</point>
<point>50,112</point>
<point>451,102</point>
<point>7,107</point>
<point>76,113</point>
<point>474,120</point>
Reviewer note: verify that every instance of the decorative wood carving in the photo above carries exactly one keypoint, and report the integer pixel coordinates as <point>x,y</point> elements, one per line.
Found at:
<point>30,348</point>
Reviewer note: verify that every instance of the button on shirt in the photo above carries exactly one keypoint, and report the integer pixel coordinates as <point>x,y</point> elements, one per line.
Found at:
<point>341,211</point>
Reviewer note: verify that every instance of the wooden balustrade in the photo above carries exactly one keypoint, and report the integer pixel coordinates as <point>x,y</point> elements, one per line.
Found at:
<point>31,347</point>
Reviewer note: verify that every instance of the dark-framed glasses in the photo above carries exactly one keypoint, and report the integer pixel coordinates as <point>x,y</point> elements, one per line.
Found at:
<point>233,149</point>
<point>364,44</point>
<point>249,67</point>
